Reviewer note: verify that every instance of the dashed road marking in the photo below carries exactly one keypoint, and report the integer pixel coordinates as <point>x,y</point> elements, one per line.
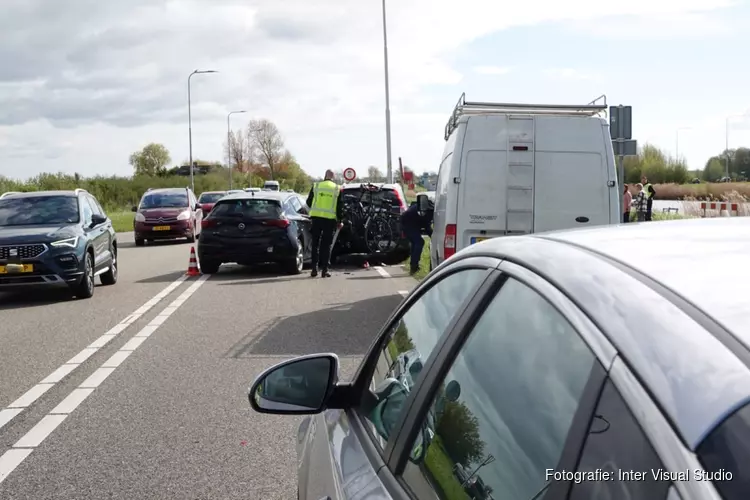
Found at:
<point>404,293</point>
<point>29,441</point>
<point>381,271</point>
<point>63,371</point>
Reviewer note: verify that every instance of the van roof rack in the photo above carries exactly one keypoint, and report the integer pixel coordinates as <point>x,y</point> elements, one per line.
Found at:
<point>464,107</point>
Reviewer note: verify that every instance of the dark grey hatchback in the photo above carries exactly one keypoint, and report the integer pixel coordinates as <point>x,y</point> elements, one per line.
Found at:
<point>605,363</point>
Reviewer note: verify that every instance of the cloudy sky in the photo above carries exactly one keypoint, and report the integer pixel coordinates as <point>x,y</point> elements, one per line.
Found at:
<point>84,83</point>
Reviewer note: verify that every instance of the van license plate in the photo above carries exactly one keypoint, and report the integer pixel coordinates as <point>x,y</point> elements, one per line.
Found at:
<point>477,239</point>
<point>161,228</point>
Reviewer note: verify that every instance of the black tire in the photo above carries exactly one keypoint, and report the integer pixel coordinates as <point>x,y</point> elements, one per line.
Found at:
<point>85,289</point>
<point>110,277</point>
<point>139,242</point>
<point>209,266</point>
<point>296,265</point>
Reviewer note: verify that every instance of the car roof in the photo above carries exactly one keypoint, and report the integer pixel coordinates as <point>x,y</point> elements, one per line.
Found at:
<point>668,295</point>
<point>165,190</point>
<point>212,192</point>
<point>279,196</point>
<point>34,194</point>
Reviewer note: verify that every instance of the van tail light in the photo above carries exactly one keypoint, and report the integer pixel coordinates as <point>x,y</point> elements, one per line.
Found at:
<point>283,222</point>
<point>208,223</point>
<point>449,245</point>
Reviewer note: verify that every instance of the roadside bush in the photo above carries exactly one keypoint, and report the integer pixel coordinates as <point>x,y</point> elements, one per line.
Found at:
<point>704,191</point>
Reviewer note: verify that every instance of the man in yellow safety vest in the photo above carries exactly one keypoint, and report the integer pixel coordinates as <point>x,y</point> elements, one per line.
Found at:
<point>650,193</point>
<point>325,202</point>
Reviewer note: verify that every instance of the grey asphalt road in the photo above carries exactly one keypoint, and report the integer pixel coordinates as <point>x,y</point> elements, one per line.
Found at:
<point>172,421</point>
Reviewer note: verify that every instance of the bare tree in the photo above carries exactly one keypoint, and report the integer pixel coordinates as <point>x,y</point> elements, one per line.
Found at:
<point>266,141</point>
<point>238,149</point>
<point>374,174</point>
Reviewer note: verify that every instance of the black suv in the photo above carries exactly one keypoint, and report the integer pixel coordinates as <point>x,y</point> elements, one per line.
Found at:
<point>56,238</point>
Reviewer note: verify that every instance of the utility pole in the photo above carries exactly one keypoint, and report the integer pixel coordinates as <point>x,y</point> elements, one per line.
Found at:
<point>387,100</point>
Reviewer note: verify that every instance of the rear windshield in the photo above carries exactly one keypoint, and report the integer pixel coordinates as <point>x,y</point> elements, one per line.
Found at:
<point>165,200</point>
<point>210,197</point>
<point>248,209</point>
<point>725,455</point>
<point>39,210</point>
<point>383,197</point>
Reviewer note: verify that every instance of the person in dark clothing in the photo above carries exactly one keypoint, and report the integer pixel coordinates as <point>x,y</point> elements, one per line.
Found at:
<point>650,192</point>
<point>414,224</point>
<point>326,210</point>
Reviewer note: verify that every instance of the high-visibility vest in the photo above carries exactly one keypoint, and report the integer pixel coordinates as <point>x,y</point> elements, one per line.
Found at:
<point>647,189</point>
<point>325,199</point>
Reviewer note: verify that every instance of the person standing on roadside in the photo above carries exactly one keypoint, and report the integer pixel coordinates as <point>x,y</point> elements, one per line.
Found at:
<point>640,201</point>
<point>650,193</point>
<point>627,200</point>
<point>325,202</point>
<point>414,224</point>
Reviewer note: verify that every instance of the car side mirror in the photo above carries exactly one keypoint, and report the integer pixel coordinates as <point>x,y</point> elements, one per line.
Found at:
<point>134,209</point>
<point>198,206</point>
<point>97,219</point>
<point>300,386</point>
<point>423,202</point>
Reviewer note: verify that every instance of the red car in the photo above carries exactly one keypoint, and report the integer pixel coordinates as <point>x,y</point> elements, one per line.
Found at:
<point>208,199</point>
<point>167,214</point>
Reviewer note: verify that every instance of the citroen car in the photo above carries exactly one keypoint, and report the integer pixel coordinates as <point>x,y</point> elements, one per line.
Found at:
<point>56,239</point>
<point>167,214</point>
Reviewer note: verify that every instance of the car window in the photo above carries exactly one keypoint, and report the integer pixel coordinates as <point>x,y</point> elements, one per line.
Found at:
<point>210,197</point>
<point>39,210</point>
<point>412,339</point>
<point>617,446</point>
<point>86,210</point>
<point>167,199</point>
<point>296,205</point>
<point>248,208</point>
<point>95,205</point>
<point>725,454</point>
<point>502,414</point>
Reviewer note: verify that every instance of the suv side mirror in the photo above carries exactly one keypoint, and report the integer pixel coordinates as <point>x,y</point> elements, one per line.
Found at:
<point>197,207</point>
<point>135,208</point>
<point>97,219</point>
<point>300,386</point>
<point>423,202</point>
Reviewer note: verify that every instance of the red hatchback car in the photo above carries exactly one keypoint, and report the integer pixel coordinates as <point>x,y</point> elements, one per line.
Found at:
<point>208,199</point>
<point>167,214</point>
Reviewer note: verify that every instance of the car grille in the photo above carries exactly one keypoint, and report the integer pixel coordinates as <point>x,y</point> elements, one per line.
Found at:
<point>22,251</point>
<point>160,220</point>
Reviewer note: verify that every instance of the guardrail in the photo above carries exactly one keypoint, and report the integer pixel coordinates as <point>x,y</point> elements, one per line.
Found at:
<point>720,206</point>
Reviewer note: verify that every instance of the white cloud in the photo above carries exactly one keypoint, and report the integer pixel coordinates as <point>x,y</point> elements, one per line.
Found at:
<point>570,74</point>
<point>112,76</point>
<point>658,27</point>
<point>491,70</point>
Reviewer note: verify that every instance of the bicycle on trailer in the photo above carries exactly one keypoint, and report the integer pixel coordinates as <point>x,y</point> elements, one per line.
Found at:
<point>373,223</point>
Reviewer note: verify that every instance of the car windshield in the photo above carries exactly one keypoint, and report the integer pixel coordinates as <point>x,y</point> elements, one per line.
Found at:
<point>249,209</point>
<point>39,210</point>
<point>210,197</point>
<point>164,200</point>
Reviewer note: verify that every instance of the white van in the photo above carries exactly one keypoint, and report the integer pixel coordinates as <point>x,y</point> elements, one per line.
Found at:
<point>522,168</point>
<point>271,186</point>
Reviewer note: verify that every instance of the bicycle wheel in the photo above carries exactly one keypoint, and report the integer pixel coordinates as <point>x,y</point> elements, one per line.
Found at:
<point>379,235</point>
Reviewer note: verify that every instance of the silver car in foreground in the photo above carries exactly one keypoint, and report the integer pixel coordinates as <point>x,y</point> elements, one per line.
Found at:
<point>604,363</point>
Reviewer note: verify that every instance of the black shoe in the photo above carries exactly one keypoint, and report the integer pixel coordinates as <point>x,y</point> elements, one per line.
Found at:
<point>313,273</point>
<point>326,274</point>
<point>414,270</point>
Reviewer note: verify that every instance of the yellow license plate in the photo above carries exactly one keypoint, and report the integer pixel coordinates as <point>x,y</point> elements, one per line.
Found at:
<point>477,240</point>
<point>161,228</point>
<point>17,268</point>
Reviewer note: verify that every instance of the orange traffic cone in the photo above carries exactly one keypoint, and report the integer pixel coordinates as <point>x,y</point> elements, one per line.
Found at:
<point>193,266</point>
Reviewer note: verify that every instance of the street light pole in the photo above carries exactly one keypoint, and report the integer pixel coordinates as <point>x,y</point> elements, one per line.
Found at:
<point>229,146</point>
<point>190,124</point>
<point>387,100</point>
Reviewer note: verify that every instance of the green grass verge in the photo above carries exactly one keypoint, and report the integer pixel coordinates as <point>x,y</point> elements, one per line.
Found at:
<point>122,221</point>
<point>441,469</point>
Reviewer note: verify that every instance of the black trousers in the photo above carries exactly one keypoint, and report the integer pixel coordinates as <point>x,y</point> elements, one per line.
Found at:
<point>649,208</point>
<point>322,238</point>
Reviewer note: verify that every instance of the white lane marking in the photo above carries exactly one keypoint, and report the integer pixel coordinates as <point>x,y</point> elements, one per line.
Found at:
<point>404,293</point>
<point>36,435</point>
<point>8,414</point>
<point>11,459</point>
<point>30,396</point>
<point>24,446</point>
<point>60,373</point>
<point>381,271</point>
<point>71,402</point>
<point>96,378</point>
<point>147,330</point>
<point>116,359</point>
<point>133,343</point>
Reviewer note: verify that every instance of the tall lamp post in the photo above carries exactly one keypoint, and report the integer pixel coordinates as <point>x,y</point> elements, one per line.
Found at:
<point>387,100</point>
<point>229,145</point>
<point>190,123</point>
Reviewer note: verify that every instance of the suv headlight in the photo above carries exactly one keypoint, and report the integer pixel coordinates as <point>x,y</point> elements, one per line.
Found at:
<point>139,217</point>
<point>184,215</point>
<point>68,242</point>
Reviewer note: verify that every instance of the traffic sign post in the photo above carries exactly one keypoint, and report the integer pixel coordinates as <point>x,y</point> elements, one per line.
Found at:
<point>350,174</point>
